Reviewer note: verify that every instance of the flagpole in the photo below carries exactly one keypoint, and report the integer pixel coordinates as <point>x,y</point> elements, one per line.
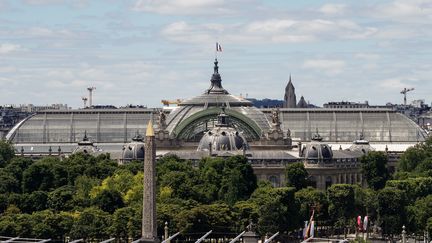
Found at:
<point>216,49</point>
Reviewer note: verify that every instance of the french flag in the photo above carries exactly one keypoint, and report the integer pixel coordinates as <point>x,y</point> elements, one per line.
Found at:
<point>218,47</point>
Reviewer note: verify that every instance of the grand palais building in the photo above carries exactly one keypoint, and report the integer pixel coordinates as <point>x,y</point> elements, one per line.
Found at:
<point>215,123</point>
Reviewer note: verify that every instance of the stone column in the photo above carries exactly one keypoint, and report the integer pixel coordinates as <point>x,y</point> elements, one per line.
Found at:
<point>149,226</point>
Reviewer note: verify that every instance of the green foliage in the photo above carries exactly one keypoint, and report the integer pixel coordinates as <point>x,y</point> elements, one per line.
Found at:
<point>35,201</point>
<point>179,175</point>
<point>109,201</point>
<point>8,182</point>
<point>244,213</point>
<point>276,205</point>
<point>341,203</point>
<point>60,199</point>
<point>7,152</point>
<point>91,223</point>
<point>44,175</point>
<point>231,179</point>
<point>418,159</point>
<point>126,222</point>
<point>374,169</point>
<point>309,198</point>
<point>83,187</point>
<point>413,187</point>
<point>419,213</point>
<point>296,175</point>
<point>391,209</point>
<point>217,217</point>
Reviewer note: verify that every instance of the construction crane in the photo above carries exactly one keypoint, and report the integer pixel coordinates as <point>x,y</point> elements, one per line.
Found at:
<point>90,89</point>
<point>171,102</point>
<point>84,99</point>
<point>404,92</point>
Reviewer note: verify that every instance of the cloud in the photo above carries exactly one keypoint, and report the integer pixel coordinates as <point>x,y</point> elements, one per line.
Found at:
<point>42,2</point>
<point>181,7</point>
<point>327,66</point>
<point>392,83</point>
<point>367,56</point>
<point>8,48</point>
<point>405,11</point>
<point>267,30</point>
<point>332,9</point>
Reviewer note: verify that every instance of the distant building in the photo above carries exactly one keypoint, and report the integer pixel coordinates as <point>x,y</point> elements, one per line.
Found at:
<point>9,116</point>
<point>290,100</point>
<point>302,103</point>
<point>35,108</point>
<point>347,105</point>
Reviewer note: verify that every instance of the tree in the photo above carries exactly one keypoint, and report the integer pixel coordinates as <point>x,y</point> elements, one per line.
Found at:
<point>231,179</point>
<point>296,175</point>
<point>419,213</point>
<point>417,159</point>
<point>126,222</point>
<point>341,204</point>
<point>238,180</point>
<point>244,213</point>
<point>217,217</point>
<point>413,188</point>
<point>48,224</point>
<point>277,209</point>
<point>311,198</point>
<point>61,199</point>
<point>7,152</point>
<point>374,169</point>
<point>83,187</point>
<point>17,166</point>
<point>92,223</point>
<point>391,210</point>
<point>35,201</point>
<point>109,200</point>
<point>180,176</point>
<point>8,183</point>
<point>41,176</point>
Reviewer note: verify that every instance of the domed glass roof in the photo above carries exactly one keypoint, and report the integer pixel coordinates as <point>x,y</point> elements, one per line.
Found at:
<point>361,145</point>
<point>133,150</point>
<point>317,151</point>
<point>223,137</point>
<point>195,116</point>
<point>86,146</point>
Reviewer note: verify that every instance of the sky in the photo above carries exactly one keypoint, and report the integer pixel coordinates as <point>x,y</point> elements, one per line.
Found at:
<point>142,51</point>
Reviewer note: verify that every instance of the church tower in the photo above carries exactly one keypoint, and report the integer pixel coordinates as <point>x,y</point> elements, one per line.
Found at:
<point>290,100</point>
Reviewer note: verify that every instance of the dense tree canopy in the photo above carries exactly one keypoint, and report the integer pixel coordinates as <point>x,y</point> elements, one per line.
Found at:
<point>90,197</point>
<point>374,169</point>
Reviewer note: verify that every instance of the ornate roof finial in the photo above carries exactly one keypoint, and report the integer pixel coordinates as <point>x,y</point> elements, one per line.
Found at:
<point>216,81</point>
<point>216,67</point>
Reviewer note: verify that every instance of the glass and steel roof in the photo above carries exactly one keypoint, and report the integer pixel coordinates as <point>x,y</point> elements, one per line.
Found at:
<point>346,125</point>
<point>101,125</point>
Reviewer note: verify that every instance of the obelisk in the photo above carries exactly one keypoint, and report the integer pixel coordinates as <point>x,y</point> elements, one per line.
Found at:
<point>149,226</point>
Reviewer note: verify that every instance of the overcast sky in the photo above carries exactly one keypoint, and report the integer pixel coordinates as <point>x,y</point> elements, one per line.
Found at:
<point>142,51</point>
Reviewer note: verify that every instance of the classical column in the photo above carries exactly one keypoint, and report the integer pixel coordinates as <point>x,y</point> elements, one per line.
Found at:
<point>149,226</point>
